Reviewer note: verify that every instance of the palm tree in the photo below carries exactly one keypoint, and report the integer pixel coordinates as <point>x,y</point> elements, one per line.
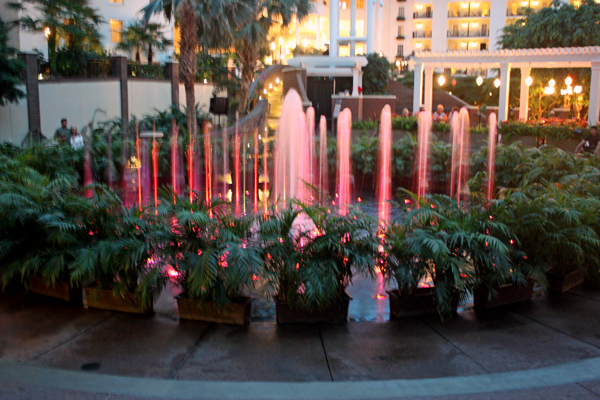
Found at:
<point>139,35</point>
<point>72,20</point>
<point>251,39</point>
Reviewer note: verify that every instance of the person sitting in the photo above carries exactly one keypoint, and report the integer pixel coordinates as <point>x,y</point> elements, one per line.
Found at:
<point>405,113</point>
<point>76,139</point>
<point>454,109</point>
<point>590,142</point>
<point>439,115</point>
<point>62,134</point>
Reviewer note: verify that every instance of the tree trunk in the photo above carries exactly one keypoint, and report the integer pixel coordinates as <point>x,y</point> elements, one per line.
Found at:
<point>248,62</point>
<point>187,63</point>
<point>137,55</point>
<point>149,54</point>
<point>52,50</point>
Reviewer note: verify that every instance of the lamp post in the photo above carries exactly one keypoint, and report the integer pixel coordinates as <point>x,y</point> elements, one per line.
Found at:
<point>280,44</point>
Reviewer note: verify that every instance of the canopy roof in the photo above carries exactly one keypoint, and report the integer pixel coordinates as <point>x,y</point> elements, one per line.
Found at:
<point>327,62</point>
<point>558,57</point>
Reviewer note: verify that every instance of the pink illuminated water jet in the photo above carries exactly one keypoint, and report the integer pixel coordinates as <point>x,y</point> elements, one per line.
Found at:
<point>87,169</point>
<point>492,135</point>
<point>236,163</point>
<point>344,139</point>
<point>384,188</point>
<point>422,178</point>
<point>208,163</point>
<point>312,155</point>
<point>323,161</point>
<point>255,209</point>
<point>461,142</point>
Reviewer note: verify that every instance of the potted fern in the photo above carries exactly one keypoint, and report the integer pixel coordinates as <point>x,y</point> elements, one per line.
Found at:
<point>123,260</point>
<point>216,258</point>
<point>310,256</point>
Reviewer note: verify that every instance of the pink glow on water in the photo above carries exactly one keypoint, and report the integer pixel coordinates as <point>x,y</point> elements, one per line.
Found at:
<point>208,163</point>
<point>461,142</point>
<point>323,167</point>
<point>289,140</point>
<point>344,139</point>
<point>384,189</point>
<point>422,162</point>
<point>236,165</point>
<point>493,126</point>
<point>255,208</point>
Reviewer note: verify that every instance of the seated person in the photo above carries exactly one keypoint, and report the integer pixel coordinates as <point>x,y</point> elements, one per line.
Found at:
<point>589,143</point>
<point>439,115</point>
<point>405,113</point>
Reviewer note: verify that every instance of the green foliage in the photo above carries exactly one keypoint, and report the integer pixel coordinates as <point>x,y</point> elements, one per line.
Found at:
<point>510,129</point>
<point>364,125</point>
<point>11,69</point>
<point>376,74</point>
<point>405,124</point>
<point>148,36</point>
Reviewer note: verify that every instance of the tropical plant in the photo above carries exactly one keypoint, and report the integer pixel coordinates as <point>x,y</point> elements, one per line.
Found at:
<point>11,69</point>
<point>376,74</point>
<point>214,252</point>
<point>73,21</point>
<point>140,35</point>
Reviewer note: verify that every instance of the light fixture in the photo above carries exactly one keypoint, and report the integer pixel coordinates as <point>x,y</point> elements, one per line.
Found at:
<point>577,89</point>
<point>528,81</point>
<point>441,80</point>
<point>497,82</point>
<point>270,86</point>
<point>552,83</point>
<point>380,54</point>
<point>304,42</point>
<point>47,31</point>
<point>418,45</point>
<point>568,81</point>
<point>419,26</point>
<point>265,91</point>
<point>475,5</point>
<point>463,44</point>
<point>535,3</point>
<point>465,24</point>
<point>277,80</point>
<point>465,5</point>
<point>524,4</point>
<point>273,46</point>
<point>280,41</point>
<point>397,63</point>
<point>419,6</point>
<point>205,80</point>
<point>549,90</point>
<point>479,80</point>
<point>474,24</point>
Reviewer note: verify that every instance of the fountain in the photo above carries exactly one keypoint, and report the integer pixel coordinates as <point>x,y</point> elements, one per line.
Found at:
<point>493,126</point>
<point>208,163</point>
<point>312,155</point>
<point>384,189</point>
<point>461,141</point>
<point>177,176</point>
<point>323,161</point>
<point>236,163</point>
<point>422,173</point>
<point>344,176</point>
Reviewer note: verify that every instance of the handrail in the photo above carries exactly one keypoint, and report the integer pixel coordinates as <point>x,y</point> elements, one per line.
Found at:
<point>266,74</point>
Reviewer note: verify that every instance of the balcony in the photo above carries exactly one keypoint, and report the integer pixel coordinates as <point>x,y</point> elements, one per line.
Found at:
<point>401,1</point>
<point>521,12</point>
<point>469,33</point>
<point>400,18</point>
<point>400,37</point>
<point>466,13</point>
<point>423,14</point>
<point>422,34</point>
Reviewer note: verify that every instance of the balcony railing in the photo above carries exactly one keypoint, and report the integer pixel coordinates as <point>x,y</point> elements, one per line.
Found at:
<point>421,34</point>
<point>469,33</point>
<point>155,71</point>
<point>519,13</point>
<point>400,18</point>
<point>400,37</point>
<point>423,14</point>
<point>463,13</point>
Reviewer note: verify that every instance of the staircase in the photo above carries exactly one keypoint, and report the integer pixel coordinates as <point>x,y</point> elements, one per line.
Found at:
<point>275,98</point>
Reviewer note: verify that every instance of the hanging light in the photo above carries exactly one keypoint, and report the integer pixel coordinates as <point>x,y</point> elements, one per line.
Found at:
<point>568,81</point>
<point>441,80</point>
<point>479,80</point>
<point>497,82</point>
<point>577,89</point>
<point>529,81</point>
<point>272,46</point>
<point>552,83</point>
<point>549,90</point>
<point>47,31</point>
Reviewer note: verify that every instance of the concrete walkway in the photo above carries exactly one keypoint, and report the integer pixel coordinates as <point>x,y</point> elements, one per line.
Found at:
<point>547,349</point>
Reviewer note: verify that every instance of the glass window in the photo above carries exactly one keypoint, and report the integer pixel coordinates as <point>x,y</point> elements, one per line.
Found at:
<point>116,31</point>
<point>116,1</point>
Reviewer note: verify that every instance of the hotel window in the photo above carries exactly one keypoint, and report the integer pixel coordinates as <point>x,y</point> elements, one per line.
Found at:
<point>401,12</point>
<point>401,31</point>
<point>400,50</point>
<point>116,1</point>
<point>116,31</point>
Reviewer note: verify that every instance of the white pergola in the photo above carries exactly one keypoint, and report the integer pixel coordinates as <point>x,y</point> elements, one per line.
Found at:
<point>333,66</point>
<point>525,59</point>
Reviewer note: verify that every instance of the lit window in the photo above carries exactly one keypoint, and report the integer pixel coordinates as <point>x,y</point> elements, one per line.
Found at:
<point>116,31</point>
<point>116,1</point>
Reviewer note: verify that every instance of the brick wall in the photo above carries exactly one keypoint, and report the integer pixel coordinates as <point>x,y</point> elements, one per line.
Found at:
<point>363,107</point>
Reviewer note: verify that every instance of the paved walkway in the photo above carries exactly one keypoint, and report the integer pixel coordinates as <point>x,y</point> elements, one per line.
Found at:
<point>546,349</point>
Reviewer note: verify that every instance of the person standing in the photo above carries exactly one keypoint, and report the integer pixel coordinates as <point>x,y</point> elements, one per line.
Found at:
<point>62,134</point>
<point>76,139</point>
<point>589,143</point>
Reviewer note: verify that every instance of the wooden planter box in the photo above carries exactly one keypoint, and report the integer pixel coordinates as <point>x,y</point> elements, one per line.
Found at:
<point>62,290</point>
<point>506,294</point>
<point>336,312</point>
<point>560,283</point>
<point>232,313</point>
<point>106,300</point>
<point>419,302</point>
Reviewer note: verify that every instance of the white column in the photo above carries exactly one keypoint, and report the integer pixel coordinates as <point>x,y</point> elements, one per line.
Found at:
<point>352,27</point>
<point>371,26</point>
<point>524,99</point>
<point>504,92</point>
<point>379,25</point>
<point>334,27</point>
<point>355,72</point>
<point>418,88</point>
<point>360,77</point>
<point>297,32</point>
<point>594,95</point>
<point>428,88</point>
